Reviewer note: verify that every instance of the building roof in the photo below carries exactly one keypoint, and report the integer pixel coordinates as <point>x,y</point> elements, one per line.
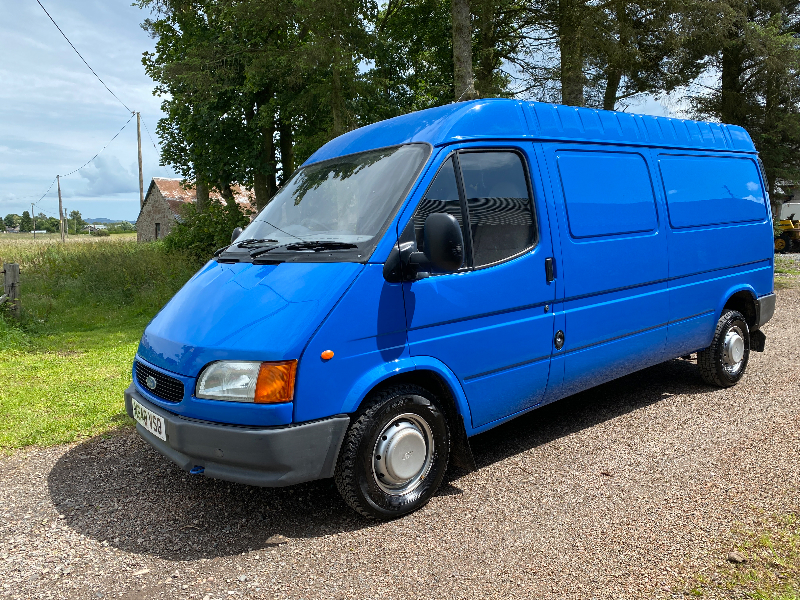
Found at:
<point>500,118</point>
<point>177,195</point>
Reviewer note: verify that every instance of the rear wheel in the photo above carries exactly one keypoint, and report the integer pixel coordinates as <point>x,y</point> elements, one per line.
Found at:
<point>724,361</point>
<point>395,453</point>
<point>780,244</point>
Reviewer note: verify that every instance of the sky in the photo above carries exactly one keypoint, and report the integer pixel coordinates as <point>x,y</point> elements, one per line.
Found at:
<point>55,115</point>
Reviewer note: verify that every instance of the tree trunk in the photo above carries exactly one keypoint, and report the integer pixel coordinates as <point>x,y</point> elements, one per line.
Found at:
<point>226,191</point>
<point>732,109</point>
<point>286,146</point>
<point>486,42</point>
<point>337,101</point>
<point>264,184</point>
<point>613,79</point>
<point>202,194</point>
<point>463,85</point>
<point>570,45</point>
<point>771,128</point>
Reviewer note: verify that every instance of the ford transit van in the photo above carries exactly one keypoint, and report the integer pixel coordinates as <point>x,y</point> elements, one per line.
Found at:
<point>426,278</point>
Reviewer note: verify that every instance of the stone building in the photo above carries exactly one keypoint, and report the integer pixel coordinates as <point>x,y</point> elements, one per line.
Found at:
<point>163,202</point>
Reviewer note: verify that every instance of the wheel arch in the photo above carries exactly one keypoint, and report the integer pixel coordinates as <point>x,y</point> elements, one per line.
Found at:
<point>434,376</point>
<point>743,299</point>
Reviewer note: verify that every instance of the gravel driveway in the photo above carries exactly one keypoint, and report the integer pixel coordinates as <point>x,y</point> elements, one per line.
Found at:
<point>618,492</point>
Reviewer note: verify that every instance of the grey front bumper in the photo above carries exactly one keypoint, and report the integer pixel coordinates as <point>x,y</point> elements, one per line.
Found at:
<point>262,456</point>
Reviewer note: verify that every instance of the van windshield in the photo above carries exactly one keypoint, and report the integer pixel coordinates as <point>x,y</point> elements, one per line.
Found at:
<point>338,205</point>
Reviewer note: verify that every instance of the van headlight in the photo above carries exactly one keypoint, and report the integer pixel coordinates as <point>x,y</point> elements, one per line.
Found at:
<point>246,381</point>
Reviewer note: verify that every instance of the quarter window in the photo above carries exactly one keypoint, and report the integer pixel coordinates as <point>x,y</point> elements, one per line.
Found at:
<point>442,196</point>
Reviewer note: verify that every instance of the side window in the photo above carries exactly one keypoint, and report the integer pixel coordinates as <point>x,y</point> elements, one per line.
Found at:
<point>442,196</point>
<point>499,205</point>
<point>606,193</point>
<point>710,190</point>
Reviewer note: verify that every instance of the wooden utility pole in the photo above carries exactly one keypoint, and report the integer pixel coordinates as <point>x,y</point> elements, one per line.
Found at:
<point>11,287</point>
<point>33,216</point>
<point>141,175</point>
<point>60,209</point>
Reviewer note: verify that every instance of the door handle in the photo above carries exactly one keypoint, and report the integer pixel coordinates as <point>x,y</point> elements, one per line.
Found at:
<point>549,269</point>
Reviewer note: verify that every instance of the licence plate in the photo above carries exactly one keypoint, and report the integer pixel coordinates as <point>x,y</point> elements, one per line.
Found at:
<point>149,420</point>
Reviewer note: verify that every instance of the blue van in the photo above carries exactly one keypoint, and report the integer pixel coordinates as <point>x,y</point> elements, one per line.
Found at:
<point>424,279</point>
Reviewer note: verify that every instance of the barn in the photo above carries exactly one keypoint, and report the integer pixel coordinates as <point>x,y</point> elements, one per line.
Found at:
<point>164,200</point>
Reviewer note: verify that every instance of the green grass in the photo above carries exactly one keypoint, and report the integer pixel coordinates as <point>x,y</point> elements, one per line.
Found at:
<point>65,365</point>
<point>786,273</point>
<point>784,266</point>
<point>772,567</point>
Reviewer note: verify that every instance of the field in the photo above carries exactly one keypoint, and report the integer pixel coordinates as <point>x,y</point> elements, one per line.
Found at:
<point>85,303</point>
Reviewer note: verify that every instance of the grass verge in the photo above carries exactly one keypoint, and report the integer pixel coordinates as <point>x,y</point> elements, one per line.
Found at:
<point>787,273</point>
<point>65,365</point>
<point>771,567</point>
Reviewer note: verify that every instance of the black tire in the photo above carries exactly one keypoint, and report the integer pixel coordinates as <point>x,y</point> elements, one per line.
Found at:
<point>715,365</point>
<point>356,475</point>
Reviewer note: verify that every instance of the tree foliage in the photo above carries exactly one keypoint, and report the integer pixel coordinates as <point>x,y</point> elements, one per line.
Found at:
<point>251,88</point>
<point>25,222</point>
<point>201,233</point>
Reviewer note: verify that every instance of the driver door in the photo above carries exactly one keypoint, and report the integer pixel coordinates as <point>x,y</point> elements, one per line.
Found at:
<point>491,322</point>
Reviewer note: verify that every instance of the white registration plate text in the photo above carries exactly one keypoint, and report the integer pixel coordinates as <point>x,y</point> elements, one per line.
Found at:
<point>149,420</point>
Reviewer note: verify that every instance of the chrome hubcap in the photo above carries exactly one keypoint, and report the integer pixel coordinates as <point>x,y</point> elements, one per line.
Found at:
<point>403,454</point>
<point>733,349</point>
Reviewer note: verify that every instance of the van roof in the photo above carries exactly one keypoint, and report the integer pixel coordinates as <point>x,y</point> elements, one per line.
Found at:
<point>500,118</point>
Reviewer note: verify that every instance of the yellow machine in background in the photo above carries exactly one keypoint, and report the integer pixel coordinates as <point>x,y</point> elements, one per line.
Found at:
<point>787,235</point>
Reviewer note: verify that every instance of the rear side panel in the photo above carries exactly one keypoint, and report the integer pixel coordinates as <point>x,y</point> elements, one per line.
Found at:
<point>720,238</point>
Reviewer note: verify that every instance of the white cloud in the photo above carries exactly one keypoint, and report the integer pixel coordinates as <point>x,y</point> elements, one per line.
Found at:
<point>55,115</point>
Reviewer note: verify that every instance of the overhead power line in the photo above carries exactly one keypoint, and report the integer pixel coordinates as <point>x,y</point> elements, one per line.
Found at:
<point>148,133</point>
<point>83,59</point>
<point>85,164</point>
<point>47,192</point>
<point>101,150</point>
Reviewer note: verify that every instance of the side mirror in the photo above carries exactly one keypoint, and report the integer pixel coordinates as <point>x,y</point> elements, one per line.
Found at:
<point>236,233</point>
<point>444,242</point>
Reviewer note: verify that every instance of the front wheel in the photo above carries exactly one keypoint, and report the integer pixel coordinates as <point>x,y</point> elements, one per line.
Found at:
<point>724,361</point>
<point>394,454</point>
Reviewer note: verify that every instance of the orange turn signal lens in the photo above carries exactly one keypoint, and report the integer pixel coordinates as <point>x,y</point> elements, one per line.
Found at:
<point>275,382</point>
<point>326,355</point>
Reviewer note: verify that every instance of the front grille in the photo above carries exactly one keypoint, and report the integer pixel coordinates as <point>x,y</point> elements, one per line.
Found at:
<point>167,388</point>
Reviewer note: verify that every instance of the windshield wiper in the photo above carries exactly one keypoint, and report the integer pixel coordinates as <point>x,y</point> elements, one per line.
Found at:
<point>255,243</point>
<point>320,246</point>
<point>261,251</point>
<point>310,246</point>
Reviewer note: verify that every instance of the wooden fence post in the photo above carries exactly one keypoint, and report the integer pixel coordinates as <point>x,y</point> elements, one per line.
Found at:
<point>11,287</point>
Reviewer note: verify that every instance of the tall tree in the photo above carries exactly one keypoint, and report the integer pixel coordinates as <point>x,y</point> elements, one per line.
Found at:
<point>756,55</point>
<point>25,222</point>
<point>585,53</point>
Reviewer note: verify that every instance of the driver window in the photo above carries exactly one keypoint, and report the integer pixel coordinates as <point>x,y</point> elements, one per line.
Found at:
<point>499,205</point>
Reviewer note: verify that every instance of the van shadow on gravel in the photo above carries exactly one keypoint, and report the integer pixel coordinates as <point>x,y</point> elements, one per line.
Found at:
<point>586,409</point>
<point>119,490</point>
